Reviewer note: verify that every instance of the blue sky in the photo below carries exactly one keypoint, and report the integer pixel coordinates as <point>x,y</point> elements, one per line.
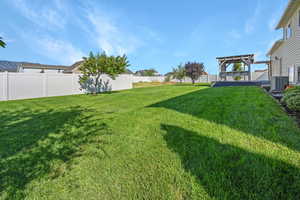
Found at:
<point>153,34</point>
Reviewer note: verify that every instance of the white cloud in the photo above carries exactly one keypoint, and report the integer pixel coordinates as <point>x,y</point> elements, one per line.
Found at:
<point>234,34</point>
<point>272,23</point>
<point>259,55</point>
<point>253,20</point>
<point>151,35</point>
<point>42,15</point>
<point>276,15</point>
<point>59,50</point>
<point>6,38</point>
<point>272,41</point>
<point>109,36</point>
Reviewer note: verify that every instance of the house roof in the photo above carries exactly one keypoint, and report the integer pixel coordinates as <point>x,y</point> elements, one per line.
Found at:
<point>42,66</point>
<point>12,66</point>
<point>9,66</point>
<point>275,46</point>
<point>290,9</point>
<point>73,67</point>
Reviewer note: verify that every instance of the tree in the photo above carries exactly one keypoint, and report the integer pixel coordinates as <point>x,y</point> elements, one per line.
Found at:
<point>150,72</point>
<point>179,73</point>
<point>194,70</point>
<point>237,67</point>
<point>99,64</point>
<point>2,43</point>
<point>146,72</point>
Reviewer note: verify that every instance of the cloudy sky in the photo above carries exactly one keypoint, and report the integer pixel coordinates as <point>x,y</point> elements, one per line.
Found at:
<point>156,34</point>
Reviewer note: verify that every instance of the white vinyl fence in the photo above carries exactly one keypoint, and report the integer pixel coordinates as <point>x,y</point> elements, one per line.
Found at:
<point>137,79</point>
<point>202,79</point>
<point>33,85</point>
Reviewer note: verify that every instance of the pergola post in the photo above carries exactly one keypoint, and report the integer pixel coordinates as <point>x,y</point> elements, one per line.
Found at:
<point>249,71</point>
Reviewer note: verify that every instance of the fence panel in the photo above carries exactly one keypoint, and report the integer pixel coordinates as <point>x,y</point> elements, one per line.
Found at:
<point>33,85</point>
<point>3,86</point>
<point>24,86</point>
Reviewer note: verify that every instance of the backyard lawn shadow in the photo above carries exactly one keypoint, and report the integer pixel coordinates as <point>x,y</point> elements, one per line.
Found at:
<point>247,110</point>
<point>229,172</point>
<point>30,142</point>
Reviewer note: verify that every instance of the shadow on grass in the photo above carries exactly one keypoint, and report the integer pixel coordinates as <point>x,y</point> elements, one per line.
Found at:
<point>243,109</point>
<point>228,172</point>
<point>32,142</point>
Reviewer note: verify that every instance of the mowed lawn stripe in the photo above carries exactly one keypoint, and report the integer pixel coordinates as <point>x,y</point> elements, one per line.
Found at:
<point>165,142</point>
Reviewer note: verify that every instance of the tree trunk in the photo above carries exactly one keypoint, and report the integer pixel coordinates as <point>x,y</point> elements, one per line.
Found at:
<point>193,81</point>
<point>96,91</point>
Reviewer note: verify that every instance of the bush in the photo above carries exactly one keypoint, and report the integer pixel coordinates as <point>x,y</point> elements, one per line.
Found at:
<point>292,89</point>
<point>293,102</point>
<point>289,94</point>
<point>290,97</point>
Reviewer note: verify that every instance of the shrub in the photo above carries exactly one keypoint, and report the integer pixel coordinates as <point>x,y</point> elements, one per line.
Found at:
<point>293,102</point>
<point>292,89</point>
<point>289,94</point>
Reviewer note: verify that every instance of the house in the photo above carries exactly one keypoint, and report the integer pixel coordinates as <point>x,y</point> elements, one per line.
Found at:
<point>26,67</point>
<point>285,53</point>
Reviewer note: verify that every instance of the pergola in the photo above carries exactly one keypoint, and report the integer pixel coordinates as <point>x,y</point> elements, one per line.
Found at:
<point>225,62</point>
<point>248,60</point>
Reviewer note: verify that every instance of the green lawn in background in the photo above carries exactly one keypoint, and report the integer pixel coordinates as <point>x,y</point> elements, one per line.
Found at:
<point>165,142</point>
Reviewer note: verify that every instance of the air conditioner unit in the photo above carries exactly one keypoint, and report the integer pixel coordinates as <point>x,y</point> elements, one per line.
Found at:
<point>279,83</point>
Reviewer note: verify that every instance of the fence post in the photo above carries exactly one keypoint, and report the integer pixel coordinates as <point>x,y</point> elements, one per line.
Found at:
<point>73,85</point>
<point>5,86</point>
<point>45,86</point>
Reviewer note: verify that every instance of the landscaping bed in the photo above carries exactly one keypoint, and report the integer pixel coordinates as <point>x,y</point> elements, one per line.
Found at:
<point>165,142</point>
<point>290,101</point>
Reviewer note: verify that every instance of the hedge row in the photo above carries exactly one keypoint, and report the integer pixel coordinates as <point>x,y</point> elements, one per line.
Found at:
<point>291,98</point>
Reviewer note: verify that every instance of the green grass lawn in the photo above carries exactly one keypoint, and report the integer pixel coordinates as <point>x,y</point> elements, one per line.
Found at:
<point>166,142</point>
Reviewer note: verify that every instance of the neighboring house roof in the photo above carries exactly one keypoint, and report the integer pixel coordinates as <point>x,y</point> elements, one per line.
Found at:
<point>42,66</point>
<point>74,67</point>
<point>128,71</point>
<point>9,66</point>
<point>290,9</point>
<point>275,46</point>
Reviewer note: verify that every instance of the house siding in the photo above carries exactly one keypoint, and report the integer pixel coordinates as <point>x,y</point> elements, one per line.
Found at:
<point>289,51</point>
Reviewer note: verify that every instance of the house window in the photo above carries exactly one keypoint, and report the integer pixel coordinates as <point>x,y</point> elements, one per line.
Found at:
<point>298,73</point>
<point>291,74</point>
<point>289,31</point>
<point>280,67</point>
<point>299,17</point>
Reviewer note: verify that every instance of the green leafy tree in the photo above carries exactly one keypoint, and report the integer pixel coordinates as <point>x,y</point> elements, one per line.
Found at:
<point>2,43</point>
<point>237,67</point>
<point>99,64</point>
<point>179,73</point>
<point>194,70</point>
<point>146,72</point>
